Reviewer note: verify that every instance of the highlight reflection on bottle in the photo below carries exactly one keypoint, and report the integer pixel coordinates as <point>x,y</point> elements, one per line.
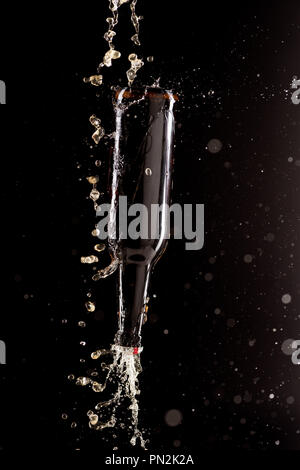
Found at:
<point>142,167</point>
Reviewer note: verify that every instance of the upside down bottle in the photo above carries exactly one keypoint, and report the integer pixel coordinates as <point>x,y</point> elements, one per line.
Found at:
<point>142,171</point>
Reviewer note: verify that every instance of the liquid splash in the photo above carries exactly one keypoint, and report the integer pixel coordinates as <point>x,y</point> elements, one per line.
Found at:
<point>135,65</point>
<point>112,54</point>
<point>122,375</point>
<point>95,80</point>
<point>107,271</point>
<point>89,259</point>
<point>99,132</point>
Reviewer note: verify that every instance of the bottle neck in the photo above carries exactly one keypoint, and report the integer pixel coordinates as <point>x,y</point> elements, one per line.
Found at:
<point>133,283</point>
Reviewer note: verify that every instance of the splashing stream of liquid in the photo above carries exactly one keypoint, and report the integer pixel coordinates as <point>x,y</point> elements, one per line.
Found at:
<point>112,54</point>
<point>122,374</point>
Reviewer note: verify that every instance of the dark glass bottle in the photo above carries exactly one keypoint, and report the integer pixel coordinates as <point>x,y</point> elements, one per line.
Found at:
<point>142,170</point>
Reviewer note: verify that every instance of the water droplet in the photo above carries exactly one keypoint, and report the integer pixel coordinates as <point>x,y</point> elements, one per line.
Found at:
<point>270,237</point>
<point>136,64</point>
<point>94,194</point>
<point>214,146</point>
<point>96,354</point>
<point>132,57</point>
<point>237,399</point>
<point>135,39</point>
<point>96,232</point>
<point>89,259</point>
<point>290,400</point>
<point>131,75</point>
<point>93,419</point>
<point>99,132</point>
<point>95,121</point>
<point>115,54</point>
<point>83,381</point>
<point>90,306</point>
<point>97,387</point>
<point>148,171</point>
<point>95,80</point>
<point>107,271</point>
<point>97,135</point>
<point>82,324</point>
<point>173,418</point>
<point>208,277</point>
<point>110,55</point>
<point>109,35</point>
<point>92,179</point>
<point>150,58</point>
<point>110,21</point>
<point>99,247</point>
<point>287,347</point>
<point>286,299</point>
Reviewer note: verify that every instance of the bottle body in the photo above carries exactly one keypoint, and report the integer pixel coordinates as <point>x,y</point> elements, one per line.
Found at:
<point>142,172</point>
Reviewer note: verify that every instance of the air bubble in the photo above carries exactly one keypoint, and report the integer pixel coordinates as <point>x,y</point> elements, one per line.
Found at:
<point>286,299</point>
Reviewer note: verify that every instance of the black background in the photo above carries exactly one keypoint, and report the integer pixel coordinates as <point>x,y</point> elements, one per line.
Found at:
<point>246,55</point>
